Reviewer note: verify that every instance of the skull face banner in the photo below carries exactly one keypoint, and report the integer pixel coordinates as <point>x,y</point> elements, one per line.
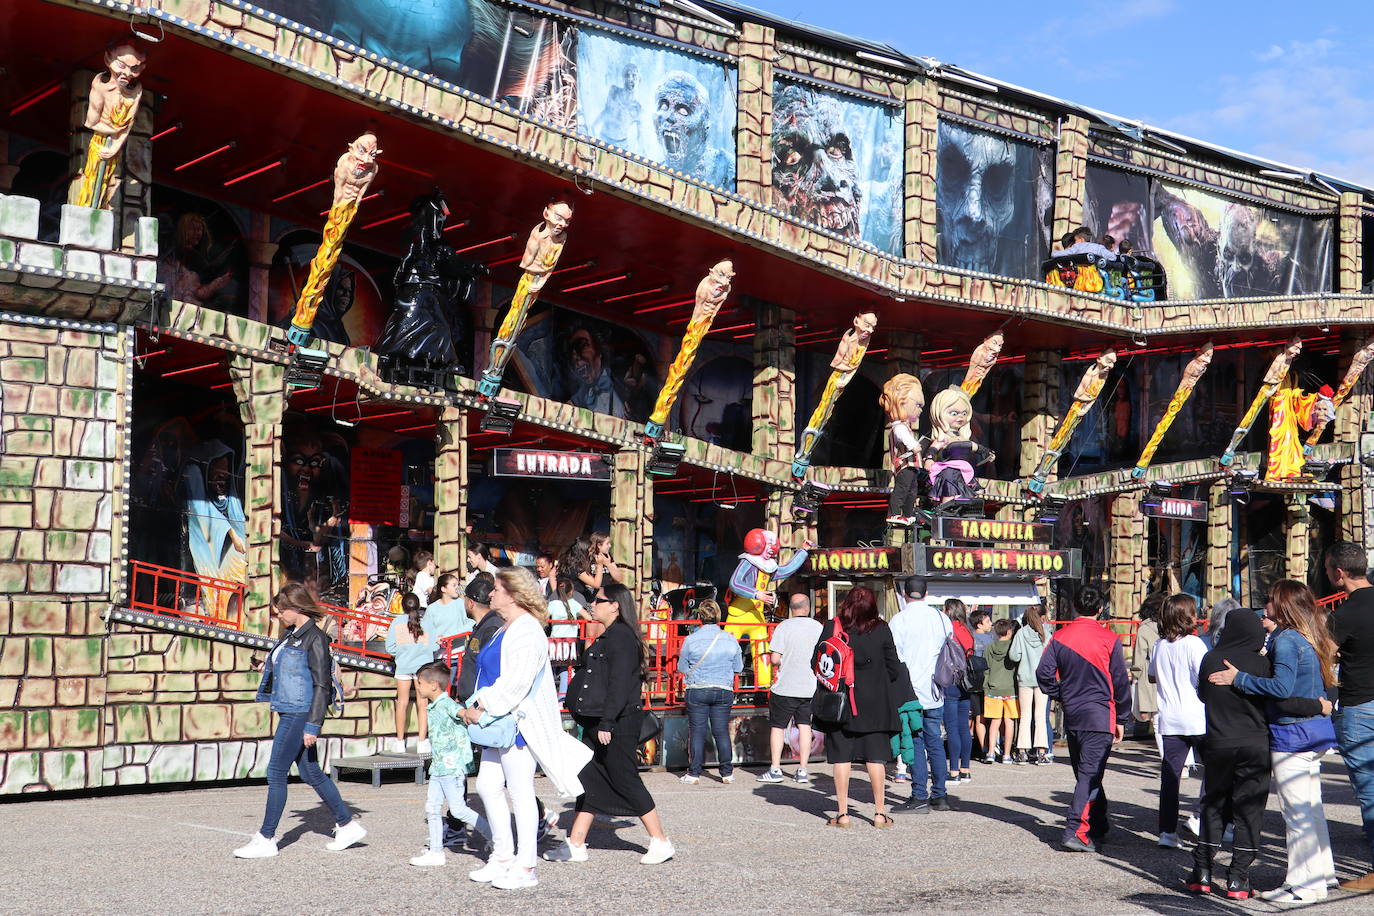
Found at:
<point>837,163</point>
<point>661,104</point>
<point>1211,246</point>
<point>992,201</point>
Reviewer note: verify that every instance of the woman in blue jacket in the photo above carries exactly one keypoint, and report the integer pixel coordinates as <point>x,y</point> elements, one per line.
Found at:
<point>708,661</point>
<point>298,680</point>
<point>1304,666</point>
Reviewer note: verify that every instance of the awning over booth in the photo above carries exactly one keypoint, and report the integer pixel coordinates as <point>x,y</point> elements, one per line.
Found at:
<point>974,591</point>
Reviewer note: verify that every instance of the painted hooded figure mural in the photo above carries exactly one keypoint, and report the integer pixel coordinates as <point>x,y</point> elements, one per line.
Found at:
<point>216,526</point>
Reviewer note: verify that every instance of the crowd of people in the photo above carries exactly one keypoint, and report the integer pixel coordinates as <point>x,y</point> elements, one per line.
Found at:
<point>931,690</point>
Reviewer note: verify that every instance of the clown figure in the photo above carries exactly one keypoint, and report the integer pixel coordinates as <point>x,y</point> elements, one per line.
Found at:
<point>751,592</point>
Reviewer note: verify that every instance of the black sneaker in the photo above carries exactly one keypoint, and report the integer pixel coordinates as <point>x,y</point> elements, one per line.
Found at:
<point>1019,758</point>
<point>999,759</point>
<point>939,804</point>
<point>1074,844</point>
<point>983,759</point>
<point>918,805</point>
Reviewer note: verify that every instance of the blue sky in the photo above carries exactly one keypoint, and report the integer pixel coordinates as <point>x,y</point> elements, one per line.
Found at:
<point>1289,81</point>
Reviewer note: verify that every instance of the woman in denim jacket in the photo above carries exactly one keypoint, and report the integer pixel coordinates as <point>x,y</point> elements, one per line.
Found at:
<point>298,679</point>
<point>709,660</point>
<point>1304,666</point>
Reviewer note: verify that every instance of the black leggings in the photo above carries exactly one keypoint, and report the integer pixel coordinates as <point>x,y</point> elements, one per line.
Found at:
<point>1237,784</point>
<point>1176,748</point>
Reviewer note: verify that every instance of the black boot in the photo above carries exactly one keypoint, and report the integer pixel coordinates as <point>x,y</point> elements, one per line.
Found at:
<point>1238,883</point>
<point>1200,881</point>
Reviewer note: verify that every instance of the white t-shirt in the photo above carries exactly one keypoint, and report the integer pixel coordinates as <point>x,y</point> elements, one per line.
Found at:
<point>1174,666</point>
<point>795,640</point>
<point>919,632</point>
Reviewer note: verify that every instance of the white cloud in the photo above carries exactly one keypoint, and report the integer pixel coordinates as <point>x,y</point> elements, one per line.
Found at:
<point>1308,107</point>
<point>1273,52</point>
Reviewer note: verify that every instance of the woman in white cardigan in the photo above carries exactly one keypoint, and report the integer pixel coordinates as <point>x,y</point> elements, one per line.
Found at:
<point>514,678</point>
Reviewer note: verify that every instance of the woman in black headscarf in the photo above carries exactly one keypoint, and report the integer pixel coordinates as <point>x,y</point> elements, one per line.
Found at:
<point>1235,752</point>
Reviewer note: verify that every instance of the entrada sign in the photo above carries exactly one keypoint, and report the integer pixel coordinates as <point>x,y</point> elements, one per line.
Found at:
<point>1192,510</point>
<point>987,529</point>
<point>856,561</point>
<point>530,462</point>
<point>997,562</point>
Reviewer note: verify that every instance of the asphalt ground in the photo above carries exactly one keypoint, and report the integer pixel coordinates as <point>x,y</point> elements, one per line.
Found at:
<point>746,848</point>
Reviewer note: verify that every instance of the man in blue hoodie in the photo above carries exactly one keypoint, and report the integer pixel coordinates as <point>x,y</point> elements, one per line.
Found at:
<point>1084,670</point>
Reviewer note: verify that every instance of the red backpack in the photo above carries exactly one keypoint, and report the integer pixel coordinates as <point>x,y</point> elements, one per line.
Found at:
<point>834,669</point>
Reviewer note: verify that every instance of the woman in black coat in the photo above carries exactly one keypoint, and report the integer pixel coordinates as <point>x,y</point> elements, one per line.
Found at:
<point>605,700</point>
<point>879,681</point>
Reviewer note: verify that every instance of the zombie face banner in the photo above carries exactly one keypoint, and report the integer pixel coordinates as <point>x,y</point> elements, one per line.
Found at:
<point>993,197</point>
<point>664,105</point>
<point>1211,246</point>
<point>837,162</point>
<point>509,55</point>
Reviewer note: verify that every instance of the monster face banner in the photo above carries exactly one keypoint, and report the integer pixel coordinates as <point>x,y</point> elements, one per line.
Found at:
<point>512,56</point>
<point>664,105</point>
<point>993,197</point>
<point>837,163</point>
<point>1211,246</point>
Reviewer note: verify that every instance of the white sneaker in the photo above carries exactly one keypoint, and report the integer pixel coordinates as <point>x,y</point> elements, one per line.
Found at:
<point>728,780</point>
<point>394,746</point>
<point>429,858</point>
<point>690,779</point>
<point>259,847</point>
<point>423,746</point>
<point>491,871</point>
<point>1287,894</point>
<point>515,879</point>
<point>567,852</point>
<point>1194,825</point>
<point>1169,841</point>
<point>659,851</point>
<point>346,836</point>
<point>803,778</point>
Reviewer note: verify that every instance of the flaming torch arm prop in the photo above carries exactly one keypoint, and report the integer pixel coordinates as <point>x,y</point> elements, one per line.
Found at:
<point>981,363</point>
<point>1191,374</point>
<point>1083,399</point>
<point>1272,379</point>
<point>1358,363</point>
<point>710,295</point>
<point>848,355</point>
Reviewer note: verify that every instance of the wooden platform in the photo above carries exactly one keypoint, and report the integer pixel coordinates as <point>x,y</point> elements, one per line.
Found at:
<point>376,764</point>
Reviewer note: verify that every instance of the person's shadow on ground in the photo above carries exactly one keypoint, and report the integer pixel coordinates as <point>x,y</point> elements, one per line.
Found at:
<point>315,819</point>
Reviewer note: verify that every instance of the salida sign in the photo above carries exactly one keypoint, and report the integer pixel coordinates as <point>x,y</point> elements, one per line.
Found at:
<point>856,561</point>
<point>997,562</point>
<point>1194,510</point>
<point>526,462</point>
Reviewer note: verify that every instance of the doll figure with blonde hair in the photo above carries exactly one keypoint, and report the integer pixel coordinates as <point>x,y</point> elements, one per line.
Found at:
<point>952,455</point>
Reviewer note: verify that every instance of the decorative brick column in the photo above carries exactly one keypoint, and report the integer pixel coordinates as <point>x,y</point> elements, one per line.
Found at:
<point>1296,538</point>
<point>903,351</point>
<point>134,197</point>
<point>261,392</point>
<point>1350,247</point>
<point>918,182</point>
<point>1217,584</point>
<point>450,489</point>
<point>1039,406</point>
<point>1070,175</point>
<point>632,520</point>
<point>260,255</point>
<point>1352,419</point>
<point>775,376</point>
<point>1129,552</point>
<point>754,124</point>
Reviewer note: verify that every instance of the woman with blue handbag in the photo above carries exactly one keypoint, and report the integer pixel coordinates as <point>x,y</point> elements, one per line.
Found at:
<point>513,716</point>
<point>298,680</point>
<point>1304,666</point>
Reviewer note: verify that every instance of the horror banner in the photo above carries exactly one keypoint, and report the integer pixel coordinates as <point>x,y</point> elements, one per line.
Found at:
<point>524,60</point>
<point>667,106</point>
<point>993,197</point>
<point>1211,246</point>
<point>837,163</point>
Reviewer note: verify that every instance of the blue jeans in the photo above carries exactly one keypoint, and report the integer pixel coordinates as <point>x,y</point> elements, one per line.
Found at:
<point>1355,732</point>
<point>709,706</point>
<point>932,742</point>
<point>288,747</point>
<point>449,789</point>
<point>958,735</point>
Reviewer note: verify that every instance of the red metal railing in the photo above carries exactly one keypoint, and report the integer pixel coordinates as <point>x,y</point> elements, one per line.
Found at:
<point>1330,601</point>
<point>358,632</point>
<point>163,590</point>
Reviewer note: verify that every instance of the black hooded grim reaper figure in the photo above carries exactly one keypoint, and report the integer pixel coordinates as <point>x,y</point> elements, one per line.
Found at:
<point>428,327</point>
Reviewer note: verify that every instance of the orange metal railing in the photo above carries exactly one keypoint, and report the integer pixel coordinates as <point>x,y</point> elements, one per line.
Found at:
<point>163,590</point>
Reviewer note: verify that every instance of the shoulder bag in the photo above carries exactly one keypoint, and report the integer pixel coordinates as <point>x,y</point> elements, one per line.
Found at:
<point>500,731</point>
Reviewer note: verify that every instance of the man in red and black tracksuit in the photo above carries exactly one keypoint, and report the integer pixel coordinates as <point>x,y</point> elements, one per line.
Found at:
<point>1083,669</point>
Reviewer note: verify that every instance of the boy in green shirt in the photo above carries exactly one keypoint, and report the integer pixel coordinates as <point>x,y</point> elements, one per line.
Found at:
<point>999,691</point>
<point>448,767</point>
